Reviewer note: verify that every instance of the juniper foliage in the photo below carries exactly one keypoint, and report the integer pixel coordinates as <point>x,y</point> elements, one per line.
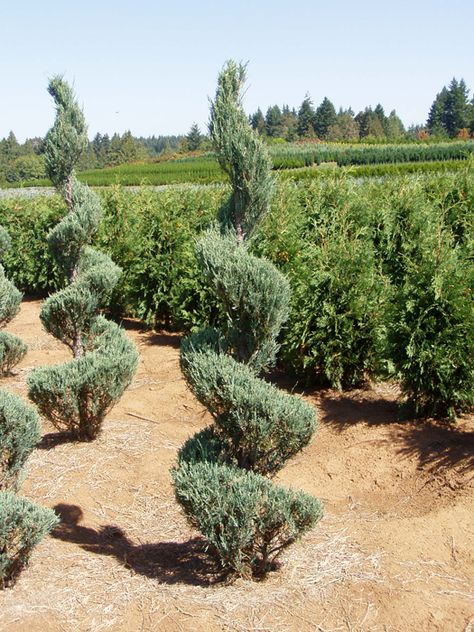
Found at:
<point>76,396</point>
<point>22,523</point>
<point>12,349</point>
<point>22,526</point>
<point>19,433</point>
<point>221,475</point>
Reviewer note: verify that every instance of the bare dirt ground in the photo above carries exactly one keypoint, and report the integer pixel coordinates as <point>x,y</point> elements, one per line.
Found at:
<point>395,550</point>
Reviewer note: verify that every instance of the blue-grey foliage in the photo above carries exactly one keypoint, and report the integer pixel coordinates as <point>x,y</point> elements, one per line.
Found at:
<point>221,478</point>
<point>19,433</point>
<point>12,349</point>
<point>77,395</point>
<point>22,526</point>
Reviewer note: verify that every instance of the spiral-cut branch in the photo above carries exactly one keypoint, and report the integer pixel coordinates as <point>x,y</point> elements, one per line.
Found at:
<point>221,478</point>
<point>77,395</point>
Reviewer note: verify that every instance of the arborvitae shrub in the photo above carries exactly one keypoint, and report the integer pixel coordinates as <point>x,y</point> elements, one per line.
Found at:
<point>338,332</point>
<point>19,433</point>
<point>432,330</point>
<point>219,477</point>
<point>76,396</point>
<point>22,526</point>
<point>12,349</point>
<point>247,519</point>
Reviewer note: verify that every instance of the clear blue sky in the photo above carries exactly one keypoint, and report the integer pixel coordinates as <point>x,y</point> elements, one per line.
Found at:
<point>150,66</point>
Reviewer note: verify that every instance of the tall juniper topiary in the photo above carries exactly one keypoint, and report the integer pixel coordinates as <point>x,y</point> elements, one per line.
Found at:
<point>76,396</point>
<point>222,475</point>
<point>22,523</point>
<point>12,349</point>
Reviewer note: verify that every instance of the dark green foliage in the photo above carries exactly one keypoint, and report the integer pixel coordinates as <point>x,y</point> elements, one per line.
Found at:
<point>259,427</point>
<point>22,526</point>
<point>432,334</point>
<point>246,518</point>
<point>19,433</point>
<point>254,294</point>
<point>340,299</point>
<point>77,395</point>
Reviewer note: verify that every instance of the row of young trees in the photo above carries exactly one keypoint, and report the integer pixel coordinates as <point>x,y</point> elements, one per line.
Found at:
<point>74,396</point>
<point>222,474</point>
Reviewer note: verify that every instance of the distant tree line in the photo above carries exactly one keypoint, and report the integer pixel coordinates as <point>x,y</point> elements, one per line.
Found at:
<point>324,123</point>
<point>451,116</point>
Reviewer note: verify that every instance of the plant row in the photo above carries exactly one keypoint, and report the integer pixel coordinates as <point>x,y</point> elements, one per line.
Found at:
<point>294,156</point>
<point>359,256</point>
<point>367,160</point>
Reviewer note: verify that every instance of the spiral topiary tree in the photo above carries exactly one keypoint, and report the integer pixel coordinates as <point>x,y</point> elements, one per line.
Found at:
<point>22,523</point>
<point>77,395</point>
<point>222,475</point>
<point>12,349</point>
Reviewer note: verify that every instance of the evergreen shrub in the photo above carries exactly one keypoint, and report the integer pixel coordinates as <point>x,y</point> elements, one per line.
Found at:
<point>12,349</point>
<point>19,433</point>
<point>76,396</point>
<point>245,517</point>
<point>22,526</point>
<point>220,477</point>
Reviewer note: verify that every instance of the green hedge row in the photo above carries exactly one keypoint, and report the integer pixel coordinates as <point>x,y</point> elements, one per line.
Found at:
<point>343,155</point>
<point>381,272</point>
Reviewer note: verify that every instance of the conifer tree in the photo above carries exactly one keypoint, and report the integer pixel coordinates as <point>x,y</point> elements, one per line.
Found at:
<point>194,137</point>
<point>324,117</point>
<point>12,349</point>
<point>77,395</point>
<point>222,476</point>
<point>22,523</point>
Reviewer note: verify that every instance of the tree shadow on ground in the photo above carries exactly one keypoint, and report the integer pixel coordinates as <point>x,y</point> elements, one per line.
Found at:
<point>342,411</point>
<point>170,562</point>
<point>437,446</point>
<point>53,439</point>
<point>150,337</point>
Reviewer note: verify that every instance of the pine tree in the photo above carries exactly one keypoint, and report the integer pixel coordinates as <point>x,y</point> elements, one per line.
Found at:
<point>274,122</point>
<point>194,137</point>
<point>257,121</point>
<point>306,118</point>
<point>221,479</point>
<point>12,349</point>
<point>78,394</point>
<point>324,117</point>
<point>451,111</point>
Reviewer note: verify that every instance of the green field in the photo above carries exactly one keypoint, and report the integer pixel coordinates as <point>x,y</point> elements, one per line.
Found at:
<point>295,161</point>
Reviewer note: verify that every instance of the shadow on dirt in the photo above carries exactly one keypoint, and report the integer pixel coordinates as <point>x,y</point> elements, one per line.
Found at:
<point>437,446</point>
<point>170,562</point>
<point>53,439</point>
<point>340,411</point>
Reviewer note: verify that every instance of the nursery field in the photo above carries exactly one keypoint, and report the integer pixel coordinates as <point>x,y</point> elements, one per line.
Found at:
<point>394,551</point>
<point>291,160</point>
